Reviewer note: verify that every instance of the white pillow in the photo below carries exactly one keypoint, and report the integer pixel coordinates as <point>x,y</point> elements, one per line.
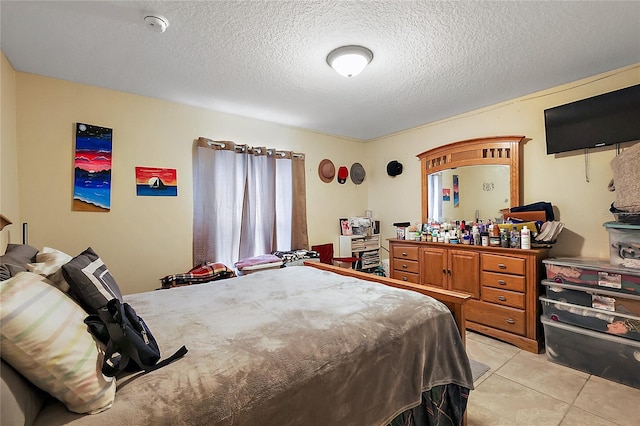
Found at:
<point>44,337</point>
<point>48,263</point>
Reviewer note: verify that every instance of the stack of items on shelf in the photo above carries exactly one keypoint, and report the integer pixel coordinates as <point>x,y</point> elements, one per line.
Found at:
<point>360,249</point>
<point>511,233</point>
<point>591,317</point>
<point>547,229</point>
<point>624,232</point>
<point>369,259</point>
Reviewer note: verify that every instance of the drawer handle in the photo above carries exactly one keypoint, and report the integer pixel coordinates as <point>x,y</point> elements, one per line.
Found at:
<point>502,266</point>
<point>404,254</point>
<point>510,321</point>
<point>502,282</point>
<point>404,278</point>
<point>444,271</point>
<point>404,266</point>
<point>502,298</point>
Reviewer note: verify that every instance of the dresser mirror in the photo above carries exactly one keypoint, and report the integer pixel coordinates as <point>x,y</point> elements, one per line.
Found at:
<point>471,179</point>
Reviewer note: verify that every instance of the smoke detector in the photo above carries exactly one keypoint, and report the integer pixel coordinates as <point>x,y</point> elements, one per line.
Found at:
<point>156,23</point>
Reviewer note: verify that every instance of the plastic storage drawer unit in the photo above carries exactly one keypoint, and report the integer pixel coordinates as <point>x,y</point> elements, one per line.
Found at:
<point>622,325</point>
<point>611,357</point>
<point>593,273</point>
<point>624,244</point>
<point>592,298</point>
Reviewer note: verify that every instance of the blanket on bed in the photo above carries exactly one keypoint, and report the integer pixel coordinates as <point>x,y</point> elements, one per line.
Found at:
<point>292,346</point>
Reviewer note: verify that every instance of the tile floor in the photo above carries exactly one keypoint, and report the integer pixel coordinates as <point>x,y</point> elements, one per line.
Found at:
<point>522,388</point>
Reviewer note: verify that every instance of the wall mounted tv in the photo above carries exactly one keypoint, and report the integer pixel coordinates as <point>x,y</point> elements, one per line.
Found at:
<point>605,119</point>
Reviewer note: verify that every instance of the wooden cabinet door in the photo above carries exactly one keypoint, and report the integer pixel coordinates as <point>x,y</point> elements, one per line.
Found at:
<point>464,272</point>
<point>433,267</point>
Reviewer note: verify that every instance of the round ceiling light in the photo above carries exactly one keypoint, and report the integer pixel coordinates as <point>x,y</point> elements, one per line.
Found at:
<point>349,61</point>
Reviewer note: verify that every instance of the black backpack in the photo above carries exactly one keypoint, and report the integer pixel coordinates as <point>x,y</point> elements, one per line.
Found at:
<point>129,342</point>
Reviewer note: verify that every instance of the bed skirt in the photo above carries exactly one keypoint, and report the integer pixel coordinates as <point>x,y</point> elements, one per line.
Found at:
<point>442,405</point>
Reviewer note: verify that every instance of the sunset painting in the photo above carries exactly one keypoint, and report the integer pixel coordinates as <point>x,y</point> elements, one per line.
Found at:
<point>92,183</point>
<point>153,181</point>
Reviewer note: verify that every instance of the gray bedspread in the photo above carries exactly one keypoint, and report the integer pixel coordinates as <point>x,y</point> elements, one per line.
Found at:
<point>293,346</point>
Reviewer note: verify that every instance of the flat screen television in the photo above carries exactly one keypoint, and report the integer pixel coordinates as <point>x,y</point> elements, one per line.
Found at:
<point>605,119</point>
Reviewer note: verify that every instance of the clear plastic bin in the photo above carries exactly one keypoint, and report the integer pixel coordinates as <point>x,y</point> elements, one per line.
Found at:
<point>600,354</point>
<point>593,273</point>
<point>593,298</point>
<point>624,244</point>
<point>615,323</point>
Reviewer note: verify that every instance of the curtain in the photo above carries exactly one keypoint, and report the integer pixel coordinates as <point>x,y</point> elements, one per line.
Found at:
<point>247,201</point>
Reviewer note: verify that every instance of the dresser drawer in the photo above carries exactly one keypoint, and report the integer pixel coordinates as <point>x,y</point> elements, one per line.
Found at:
<point>406,276</point>
<point>503,281</point>
<point>405,252</point>
<point>500,317</point>
<point>505,264</point>
<point>503,297</point>
<point>403,265</point>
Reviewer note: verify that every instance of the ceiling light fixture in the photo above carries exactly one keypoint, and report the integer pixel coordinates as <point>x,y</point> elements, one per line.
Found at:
<point>349,61</point>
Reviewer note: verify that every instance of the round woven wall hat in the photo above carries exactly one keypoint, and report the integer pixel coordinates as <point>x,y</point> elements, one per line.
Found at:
<point>326,170</point>
<point>394,168</point>
<point>357,173</point>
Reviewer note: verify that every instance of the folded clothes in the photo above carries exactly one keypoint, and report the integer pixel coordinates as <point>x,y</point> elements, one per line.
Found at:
<point>296,255</point>
<point>257,262</point>
<point>200,274</point>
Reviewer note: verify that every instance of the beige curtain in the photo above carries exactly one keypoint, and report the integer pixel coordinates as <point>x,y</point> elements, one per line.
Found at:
<point>299,236</point>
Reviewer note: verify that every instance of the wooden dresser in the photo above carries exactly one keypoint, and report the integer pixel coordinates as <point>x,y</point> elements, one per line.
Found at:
<point>504,284</point>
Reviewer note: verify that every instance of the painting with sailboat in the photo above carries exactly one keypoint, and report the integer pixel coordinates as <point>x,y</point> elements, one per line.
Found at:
<point>92,179</point>
<point>154,181</point>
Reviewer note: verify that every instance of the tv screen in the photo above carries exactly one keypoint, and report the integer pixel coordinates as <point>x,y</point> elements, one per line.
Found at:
<point>606,119</point>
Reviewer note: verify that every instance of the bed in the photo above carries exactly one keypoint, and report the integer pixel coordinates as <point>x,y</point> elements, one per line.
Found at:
<point>304,345</point>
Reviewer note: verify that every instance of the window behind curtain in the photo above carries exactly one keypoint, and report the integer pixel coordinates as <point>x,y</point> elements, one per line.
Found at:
<point>247,202</point>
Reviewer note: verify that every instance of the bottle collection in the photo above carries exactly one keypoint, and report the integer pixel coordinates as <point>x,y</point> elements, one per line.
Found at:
<point>480,234</point>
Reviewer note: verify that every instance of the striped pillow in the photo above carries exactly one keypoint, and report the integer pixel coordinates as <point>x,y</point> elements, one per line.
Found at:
<point>44,337</point>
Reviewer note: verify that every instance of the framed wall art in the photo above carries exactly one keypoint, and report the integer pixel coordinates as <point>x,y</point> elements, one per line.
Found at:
<point>156,182</point>
<point>92,178</point>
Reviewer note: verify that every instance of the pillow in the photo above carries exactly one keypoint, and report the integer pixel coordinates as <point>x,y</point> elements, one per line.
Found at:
<point>49,263</point>
<point>90,281</point>
<point>45,339</point>
<point>19,254</point>
<point>15,260</point>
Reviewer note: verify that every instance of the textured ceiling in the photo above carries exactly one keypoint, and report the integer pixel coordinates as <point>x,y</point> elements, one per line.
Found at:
<point>267,60</point>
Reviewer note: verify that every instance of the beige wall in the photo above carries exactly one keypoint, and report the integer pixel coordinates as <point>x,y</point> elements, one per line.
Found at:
<point>145,238</point>
<point>560,179</point>
<point>9,205</point>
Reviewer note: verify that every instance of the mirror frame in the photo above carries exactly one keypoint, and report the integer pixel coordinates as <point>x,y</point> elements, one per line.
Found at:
<point>502,150</point>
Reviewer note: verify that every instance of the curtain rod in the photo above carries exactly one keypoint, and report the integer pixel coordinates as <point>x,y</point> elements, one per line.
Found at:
<point>242,148</point>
